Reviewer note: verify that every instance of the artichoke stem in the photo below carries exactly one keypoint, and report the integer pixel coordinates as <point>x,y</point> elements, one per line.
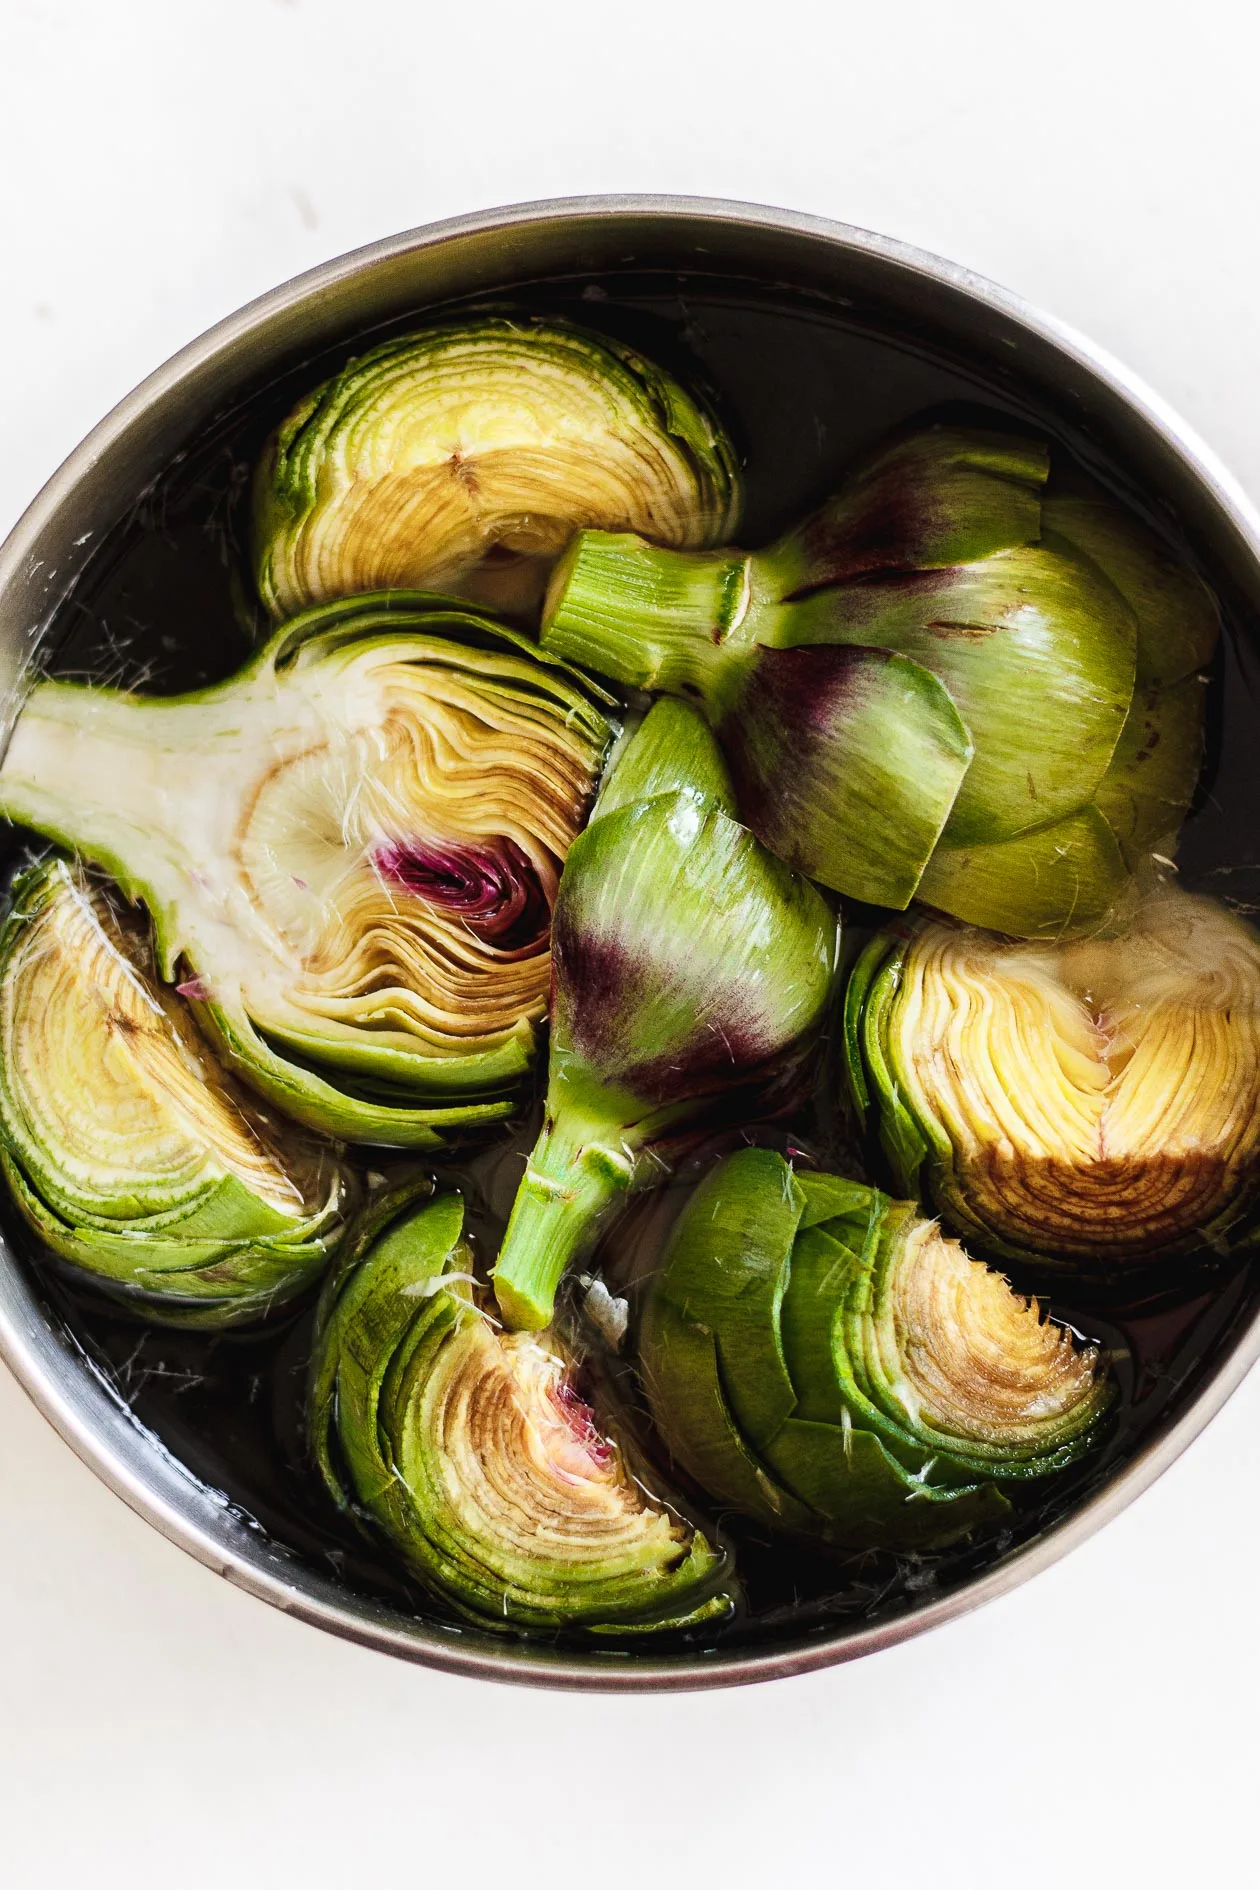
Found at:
<point>89,768</point>
<point>569,1183</point>
<point>642,614</point>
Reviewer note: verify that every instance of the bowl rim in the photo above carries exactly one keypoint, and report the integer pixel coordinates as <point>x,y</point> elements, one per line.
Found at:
<point>81,1412</point>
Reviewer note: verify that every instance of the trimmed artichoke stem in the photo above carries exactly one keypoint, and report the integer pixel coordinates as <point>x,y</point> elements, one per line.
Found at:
<point>570,1180</point>
<point>649,617</point>
<point>68,741</point>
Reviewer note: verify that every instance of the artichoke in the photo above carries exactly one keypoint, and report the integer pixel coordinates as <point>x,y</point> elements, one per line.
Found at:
<point>952,682</point>
<point>689,965</point>
<point>350,851</point>
<point>824,1361</point>
<point>475,1456</point>
<point>132,1155</point>
<point>1097,1103</point>
<point>463,457</point>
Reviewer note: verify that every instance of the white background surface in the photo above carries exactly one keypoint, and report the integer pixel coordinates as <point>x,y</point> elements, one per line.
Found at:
<point>160,164</point>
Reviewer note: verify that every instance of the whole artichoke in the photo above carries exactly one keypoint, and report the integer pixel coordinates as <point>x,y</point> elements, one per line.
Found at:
<point>955,682</point>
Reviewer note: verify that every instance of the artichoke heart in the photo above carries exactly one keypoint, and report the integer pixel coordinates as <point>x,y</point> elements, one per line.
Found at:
<point>474,1454</point>
<point>958,681</point>
<point>691,966</point>
<point>463,457</point>
<point>824,1361</point>
<point>132,1155</point>
<point>351,850</point>
<point>1096,1103</point>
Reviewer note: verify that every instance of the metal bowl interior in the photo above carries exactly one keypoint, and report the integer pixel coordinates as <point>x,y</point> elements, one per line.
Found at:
<point>891,290</point>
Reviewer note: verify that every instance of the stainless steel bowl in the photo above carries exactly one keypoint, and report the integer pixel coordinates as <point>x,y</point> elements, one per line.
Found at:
<point>914,294</point>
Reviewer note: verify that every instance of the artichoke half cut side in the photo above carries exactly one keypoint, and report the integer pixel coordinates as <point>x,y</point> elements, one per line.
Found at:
<point>691,969</point>
<point>957,681</point>
<point>822,1360</point>
<point>471,1451</point>
<point>464,456</point>
<point>128,1150</point>
<point>1092,1105</point>
<point>350,851</point>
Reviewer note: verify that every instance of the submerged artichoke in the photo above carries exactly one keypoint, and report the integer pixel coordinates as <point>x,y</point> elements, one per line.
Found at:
<point>464,457</point>
<point>473,1453</point>
<point>824,1361</point>
<point>950,683</point>
<point>351,849</point>
<point>1098,1102</point>
<point>127,1149</point>
<point>688,964</point>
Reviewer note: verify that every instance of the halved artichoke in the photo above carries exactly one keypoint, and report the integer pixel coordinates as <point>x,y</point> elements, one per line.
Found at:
<point>350,851</point>
<point>689,966</point>
<point>951,682</point>
<point>464,456</point>
<point>824,1361</point>
<point>1098,1102</point>
<point>473,1453</point>
<point>126,1147</point>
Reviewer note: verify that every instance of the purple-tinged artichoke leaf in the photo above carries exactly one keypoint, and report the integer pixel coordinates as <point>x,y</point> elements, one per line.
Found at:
<point>635,997</point>
<point>943,496</point>
<point>847,763</point>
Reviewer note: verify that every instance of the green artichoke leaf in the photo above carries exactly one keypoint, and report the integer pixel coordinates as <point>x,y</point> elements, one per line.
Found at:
<point>862,975</point>
<point>823,1263</point>
<point>831,1198</point>
<point>678,1364</point>
<point>670,751</point>
<point>473,1454</point>
<point>1177,616</point>
<point>868,1499</point>
<point>1058,882</point>
<point>1090,1105</point>
<point>647,1031</point>
<point>350,851</point>
<point>463,456</point>
<point>1152,776</point>
<point>904,1136</point>
<point>633,997</point>
<point>128,1148</point>
<point>728,1271</point>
